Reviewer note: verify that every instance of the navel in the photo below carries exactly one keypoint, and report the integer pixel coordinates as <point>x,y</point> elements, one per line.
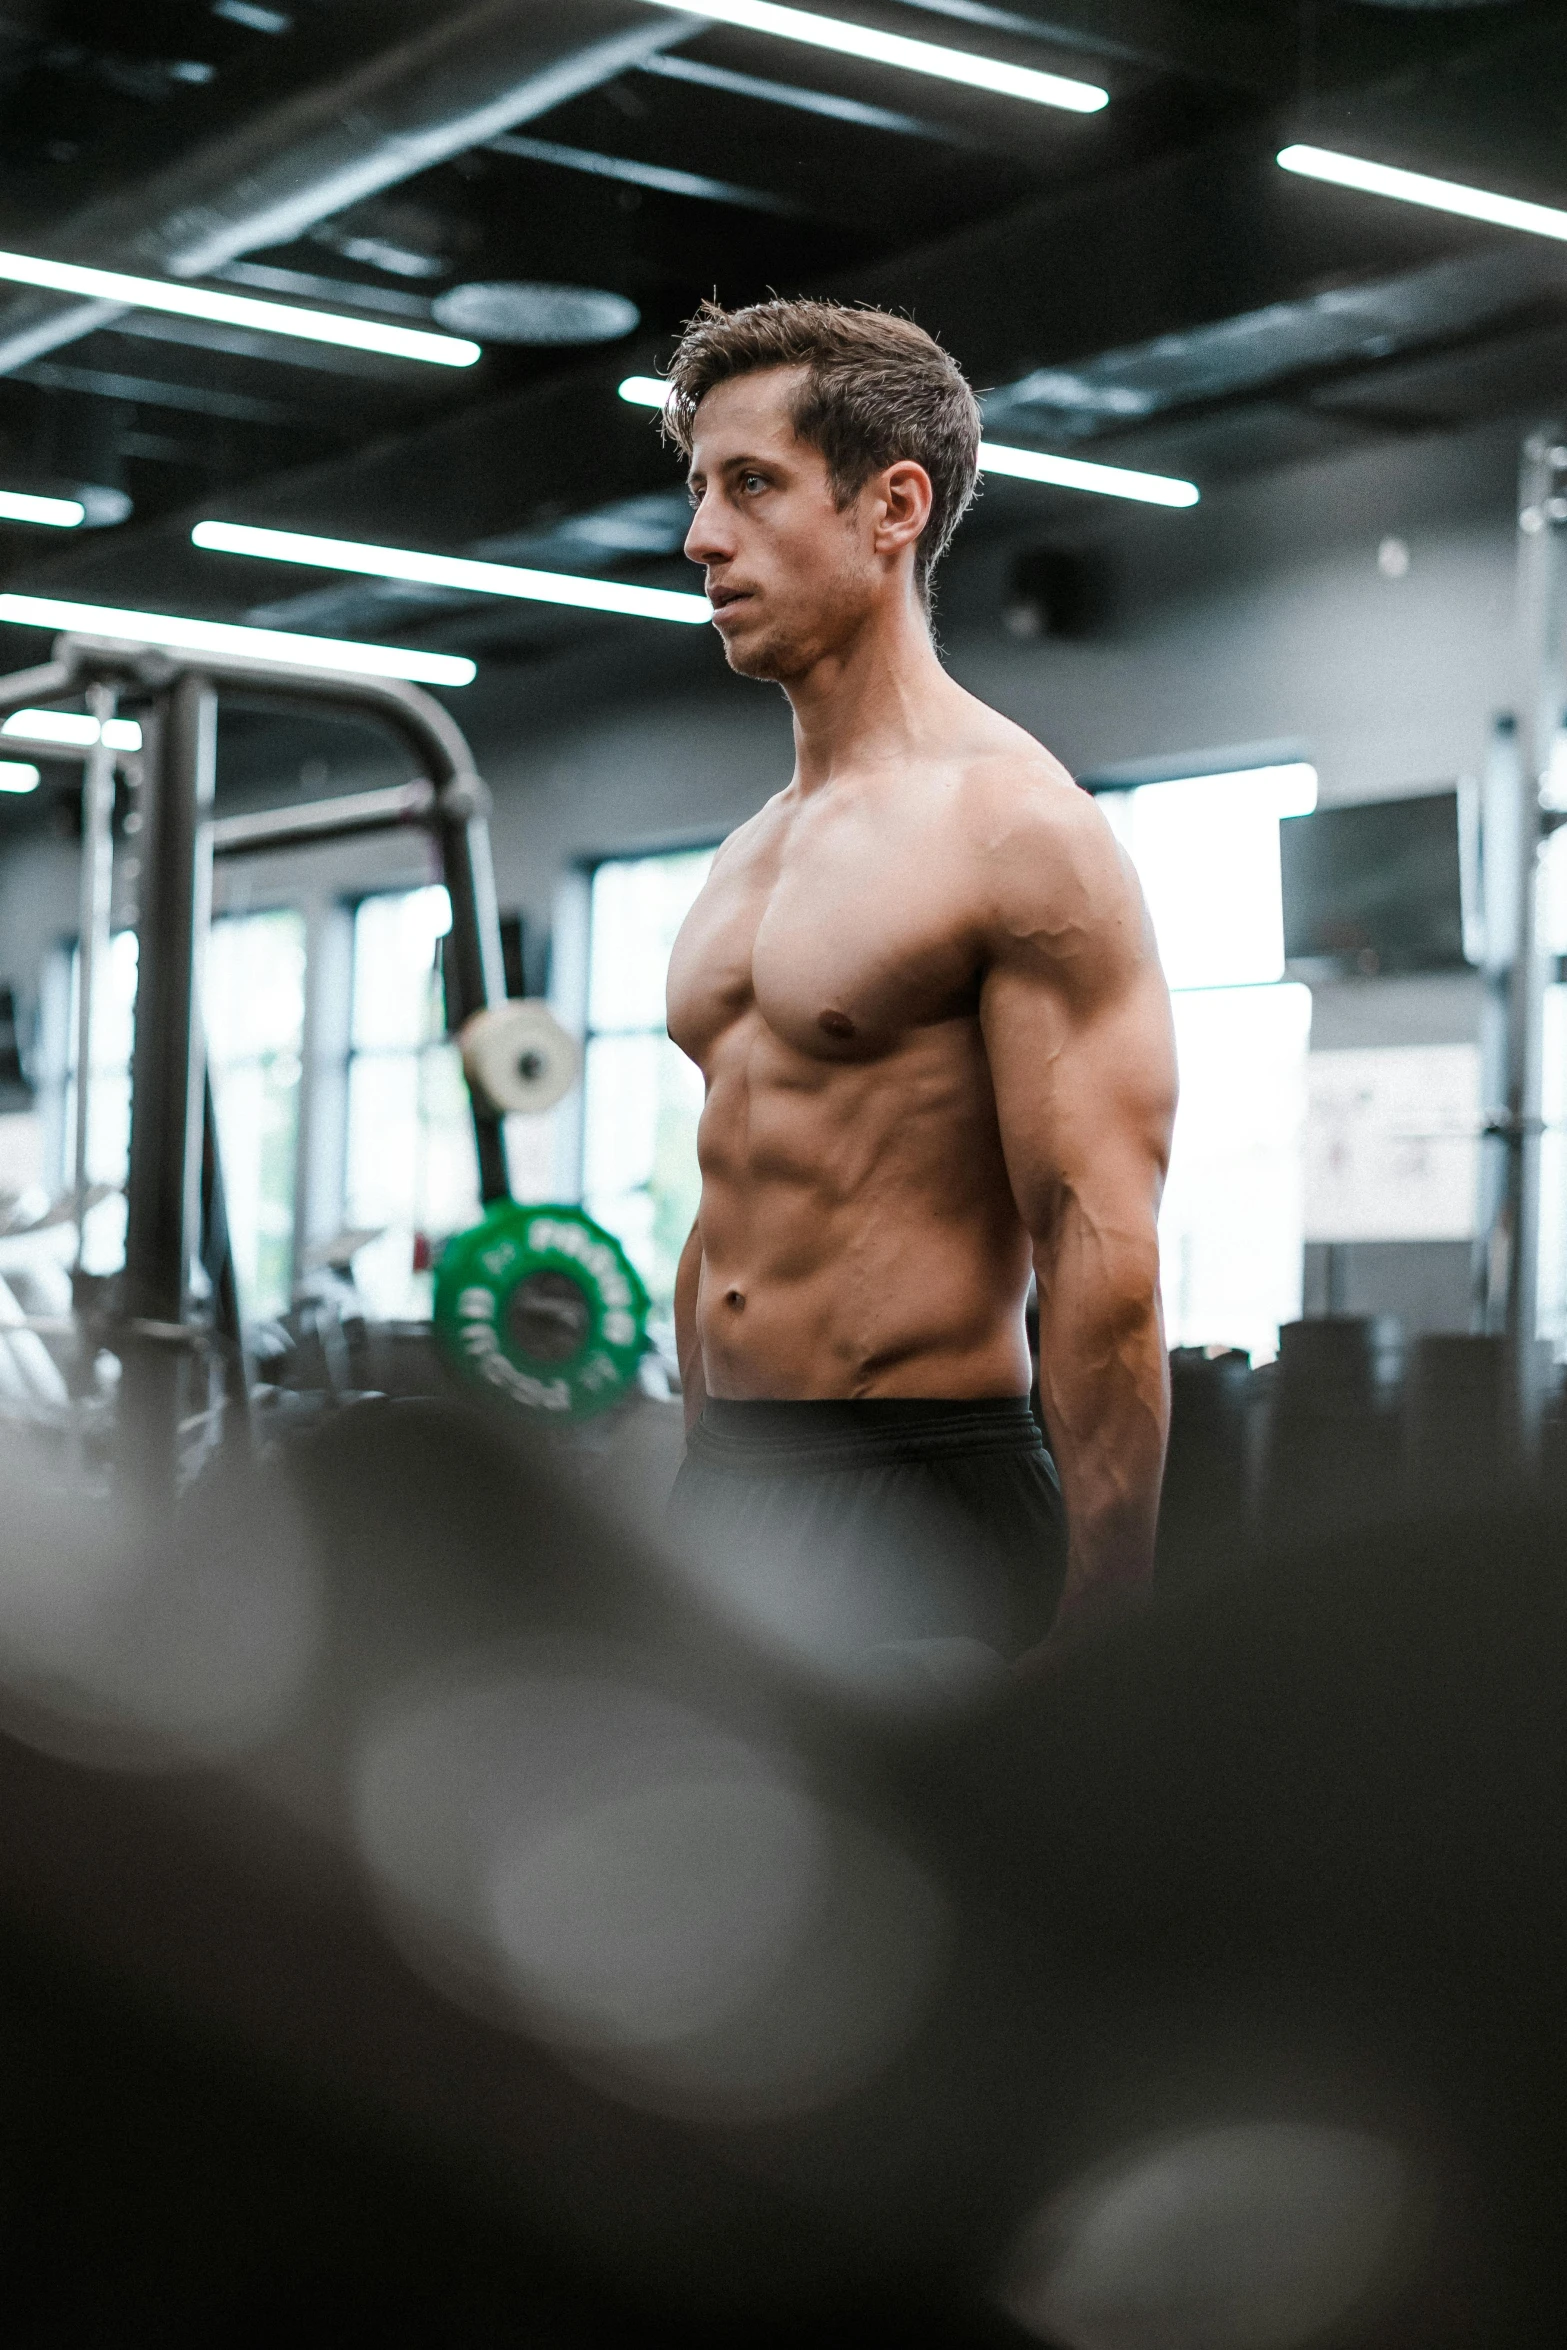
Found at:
<point>835,1024</point>
<point>735,1299</point>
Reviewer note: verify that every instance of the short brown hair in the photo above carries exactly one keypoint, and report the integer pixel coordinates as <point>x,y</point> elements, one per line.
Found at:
<point>878,388</point>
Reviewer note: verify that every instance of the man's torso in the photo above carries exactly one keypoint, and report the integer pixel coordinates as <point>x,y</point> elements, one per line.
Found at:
<point>859,1233</point>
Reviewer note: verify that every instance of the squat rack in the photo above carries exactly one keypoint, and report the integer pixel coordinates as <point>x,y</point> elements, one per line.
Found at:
<point>153,1325</point>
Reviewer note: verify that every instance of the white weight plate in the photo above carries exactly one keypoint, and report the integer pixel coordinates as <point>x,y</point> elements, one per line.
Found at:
<point>519,1057</point>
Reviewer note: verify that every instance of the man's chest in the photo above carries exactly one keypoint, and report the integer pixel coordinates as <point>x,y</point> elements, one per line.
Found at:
<point>844,934</point>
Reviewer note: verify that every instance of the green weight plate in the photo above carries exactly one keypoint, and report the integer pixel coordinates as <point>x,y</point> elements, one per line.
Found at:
<point>544,1306</point>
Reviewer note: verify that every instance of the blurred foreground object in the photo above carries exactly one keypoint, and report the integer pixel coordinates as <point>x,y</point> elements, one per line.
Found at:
<point>505,1948</point>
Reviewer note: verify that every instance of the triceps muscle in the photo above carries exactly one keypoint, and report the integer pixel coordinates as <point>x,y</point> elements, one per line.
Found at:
<point>1085,1095</point>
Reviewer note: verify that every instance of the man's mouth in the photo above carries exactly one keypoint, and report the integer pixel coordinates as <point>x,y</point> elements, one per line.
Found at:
<point>722,597</point>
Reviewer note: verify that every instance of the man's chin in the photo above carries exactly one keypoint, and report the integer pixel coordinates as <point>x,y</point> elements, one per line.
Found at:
<point>761,656</point>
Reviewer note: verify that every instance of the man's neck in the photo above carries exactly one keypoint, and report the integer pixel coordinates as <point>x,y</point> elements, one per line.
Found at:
<point>871,699</point>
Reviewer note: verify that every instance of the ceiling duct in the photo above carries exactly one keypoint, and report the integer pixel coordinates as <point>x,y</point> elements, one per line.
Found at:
<point>416,104</point>
<point>1342,327</point>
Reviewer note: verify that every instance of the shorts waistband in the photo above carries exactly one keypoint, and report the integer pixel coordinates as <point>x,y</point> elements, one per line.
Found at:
<point>769,1439</point>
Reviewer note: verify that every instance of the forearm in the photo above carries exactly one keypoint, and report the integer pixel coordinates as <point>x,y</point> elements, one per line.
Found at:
<point>1104,1385</point>
<point>688,1343</point>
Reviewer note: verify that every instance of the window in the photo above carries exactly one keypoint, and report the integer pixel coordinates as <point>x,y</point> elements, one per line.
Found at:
<point>108,1095</point>
<point>412,1166</point>
<point>253,1003</point>
<point>253,991</point>
<point>642,1097</point>
<point>1207,854</point>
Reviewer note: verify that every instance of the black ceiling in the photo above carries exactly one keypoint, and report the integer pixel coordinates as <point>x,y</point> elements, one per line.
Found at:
<point>1131,279</point>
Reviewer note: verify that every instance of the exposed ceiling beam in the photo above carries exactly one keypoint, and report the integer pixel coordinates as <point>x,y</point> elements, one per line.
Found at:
<point>1207,246</point>
<point>793,97</point>
<point>143,391</point>
<point>1342,328</point>
<point>238,342</point>
<point>449,87</point>
<point>1225,42</point>
<point>340,292</point>
<point>662,177</point>
<point>1206,43</point>
<point>452,483</point>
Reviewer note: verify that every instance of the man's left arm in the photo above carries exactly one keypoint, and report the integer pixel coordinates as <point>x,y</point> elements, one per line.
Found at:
<point>1078,1032</point>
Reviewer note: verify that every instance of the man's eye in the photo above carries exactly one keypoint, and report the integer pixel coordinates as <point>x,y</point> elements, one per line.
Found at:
<point>755,481</point>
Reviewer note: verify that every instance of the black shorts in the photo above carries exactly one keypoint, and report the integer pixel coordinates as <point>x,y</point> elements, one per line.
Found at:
<point>879,1522</point>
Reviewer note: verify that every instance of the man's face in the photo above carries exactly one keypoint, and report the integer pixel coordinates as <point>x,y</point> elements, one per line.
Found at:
<point>789,575</point>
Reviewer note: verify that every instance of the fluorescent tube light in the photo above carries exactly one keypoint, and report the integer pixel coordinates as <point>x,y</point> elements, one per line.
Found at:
<point>223,636</point>
<point>1063,473</point>
<point>269,318</point>
<point>454,571</point>
<point>16,775</point>
<point>53,513</point>
<point>73,729</point>
<point>1414,187</point>
<point>858,40</point>
<point>1075,473</point>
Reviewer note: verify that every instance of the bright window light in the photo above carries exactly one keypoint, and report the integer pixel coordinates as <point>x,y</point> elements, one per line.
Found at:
<point>1232,1220</point>
<point>1207,851</point>
<point>1231,1227</point>
<point>109,1090</point>
<point>223,636</point>
<point>268,318</point>
<point>641,1096</point>
<point>858,40</point>
<point>1414,187</point>
<point>1076,473</point>
<point>15,775</point>
<point>453,571</point>
<point>411,1167</point>
<point>1063,473</point>
<point>53,513</point>
<point>73,728</point>
<point>253,1008</point>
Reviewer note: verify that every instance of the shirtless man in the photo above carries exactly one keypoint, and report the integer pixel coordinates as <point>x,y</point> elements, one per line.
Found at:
<point>922,989</point>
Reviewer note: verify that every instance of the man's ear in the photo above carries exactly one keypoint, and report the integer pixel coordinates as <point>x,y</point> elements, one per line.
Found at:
<point>903,500</point>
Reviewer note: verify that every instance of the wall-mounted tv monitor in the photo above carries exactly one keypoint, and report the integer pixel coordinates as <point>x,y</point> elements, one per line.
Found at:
<point>1374,888</point>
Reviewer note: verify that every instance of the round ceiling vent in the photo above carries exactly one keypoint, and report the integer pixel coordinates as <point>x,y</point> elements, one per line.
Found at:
<point>506,312</point>
<point>101,506</point>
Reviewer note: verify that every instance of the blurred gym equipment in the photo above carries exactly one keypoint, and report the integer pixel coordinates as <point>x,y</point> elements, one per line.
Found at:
<point>184,1356</point>
<point>543,1305</point>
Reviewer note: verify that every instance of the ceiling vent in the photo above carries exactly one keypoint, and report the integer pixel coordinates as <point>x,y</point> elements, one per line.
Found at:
<point>502,312</point>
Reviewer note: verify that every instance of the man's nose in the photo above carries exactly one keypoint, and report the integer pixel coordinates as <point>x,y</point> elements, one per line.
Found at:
<point>707,541</point>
